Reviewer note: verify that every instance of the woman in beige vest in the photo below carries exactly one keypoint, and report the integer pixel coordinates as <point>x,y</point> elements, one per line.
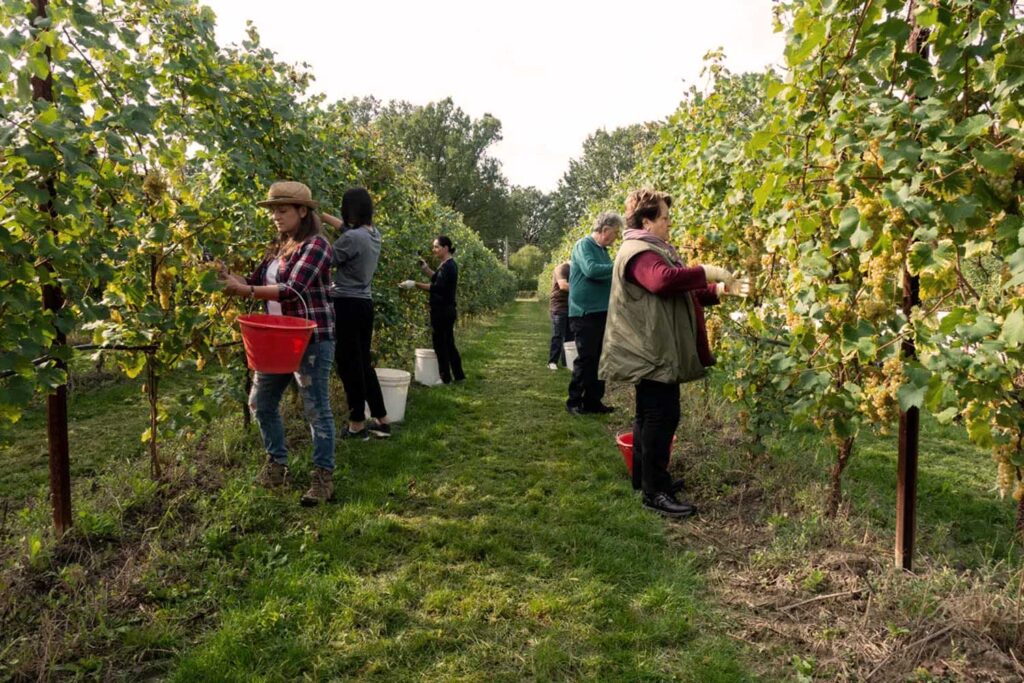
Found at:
<point>656,339</point>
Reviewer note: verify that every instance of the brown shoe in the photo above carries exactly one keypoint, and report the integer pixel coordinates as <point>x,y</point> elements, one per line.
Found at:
<point>321,488</point>
<point>273,475</point>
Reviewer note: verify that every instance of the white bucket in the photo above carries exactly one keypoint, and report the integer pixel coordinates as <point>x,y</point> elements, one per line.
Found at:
<point>394,385</point>
<point>426,367</point>
<point>570,353</point>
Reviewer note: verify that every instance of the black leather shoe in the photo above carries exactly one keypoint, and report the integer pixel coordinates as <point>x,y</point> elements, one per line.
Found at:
<point>666,505</point>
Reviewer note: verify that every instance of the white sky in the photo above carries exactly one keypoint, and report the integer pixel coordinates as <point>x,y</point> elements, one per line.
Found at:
<point>553,72</point>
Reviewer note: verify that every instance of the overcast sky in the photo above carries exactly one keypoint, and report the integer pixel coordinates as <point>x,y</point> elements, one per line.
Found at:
<point>552,72</point>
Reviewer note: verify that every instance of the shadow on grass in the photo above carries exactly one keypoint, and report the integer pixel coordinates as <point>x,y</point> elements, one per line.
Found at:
<point>959,515</point>
<point>493,537</point>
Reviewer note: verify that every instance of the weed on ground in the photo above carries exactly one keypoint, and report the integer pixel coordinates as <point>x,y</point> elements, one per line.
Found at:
<point>819,599</point>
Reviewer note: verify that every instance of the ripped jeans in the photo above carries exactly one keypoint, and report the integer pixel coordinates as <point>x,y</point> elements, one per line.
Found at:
<point>265,400</point>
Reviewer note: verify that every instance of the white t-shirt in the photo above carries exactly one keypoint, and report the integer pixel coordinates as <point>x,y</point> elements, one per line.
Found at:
<point>273,307</point>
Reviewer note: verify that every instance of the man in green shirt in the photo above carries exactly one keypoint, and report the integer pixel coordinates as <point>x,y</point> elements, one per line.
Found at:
<point>590,283</point>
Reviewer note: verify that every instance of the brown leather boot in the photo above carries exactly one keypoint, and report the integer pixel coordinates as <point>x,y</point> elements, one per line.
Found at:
<point>273,475</point>
<point>321,488</point>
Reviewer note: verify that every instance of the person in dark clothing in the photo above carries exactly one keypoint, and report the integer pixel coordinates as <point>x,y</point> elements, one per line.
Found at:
<point>559,309</point>
<point>590,282</point>
<point>442,286</point>
<point>356,252</point>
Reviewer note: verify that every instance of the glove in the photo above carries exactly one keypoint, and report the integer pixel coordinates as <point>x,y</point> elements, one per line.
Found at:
<point>738,287</point>
<point>407,284</point>
<point>716,274</point>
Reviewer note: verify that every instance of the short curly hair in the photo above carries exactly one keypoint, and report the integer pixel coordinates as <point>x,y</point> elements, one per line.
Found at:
<point>644,203</point>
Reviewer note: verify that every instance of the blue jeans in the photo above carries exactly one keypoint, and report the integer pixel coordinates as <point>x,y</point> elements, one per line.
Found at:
<point>312,376</point>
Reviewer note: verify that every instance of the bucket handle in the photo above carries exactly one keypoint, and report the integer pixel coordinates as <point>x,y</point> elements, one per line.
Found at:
<point>305,308</point>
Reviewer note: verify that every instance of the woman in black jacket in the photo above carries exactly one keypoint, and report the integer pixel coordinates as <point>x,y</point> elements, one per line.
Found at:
<point>442,287</point>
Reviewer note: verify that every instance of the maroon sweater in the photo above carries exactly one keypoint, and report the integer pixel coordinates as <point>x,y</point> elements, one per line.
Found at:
<point>649,270</point>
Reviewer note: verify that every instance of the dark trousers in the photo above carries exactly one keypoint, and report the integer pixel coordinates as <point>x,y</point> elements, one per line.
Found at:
<point>657,416</point>
<point>353,335</point>
<point>585,389</point>
<point>449,362</point>
<point>560,333</point>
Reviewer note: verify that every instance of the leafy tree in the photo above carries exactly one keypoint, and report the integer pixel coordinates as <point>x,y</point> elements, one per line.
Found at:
<point>527,263</point>
<point>534,211</point>
<point>607,159</point>
<point>543,218</point>
<point>450,149</point>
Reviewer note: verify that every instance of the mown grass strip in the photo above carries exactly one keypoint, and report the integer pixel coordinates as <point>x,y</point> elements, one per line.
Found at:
<point>494,537</point>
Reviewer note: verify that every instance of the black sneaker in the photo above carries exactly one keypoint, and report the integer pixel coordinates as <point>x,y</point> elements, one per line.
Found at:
<point>362,435</point>
<point>666,505</point>
<point>601,409</point>
<point>381,430</point>
<point>576,410</point>
<point>677,487</point>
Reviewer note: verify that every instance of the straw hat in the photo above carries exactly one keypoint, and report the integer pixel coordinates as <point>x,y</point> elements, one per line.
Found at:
<point>289,192</point>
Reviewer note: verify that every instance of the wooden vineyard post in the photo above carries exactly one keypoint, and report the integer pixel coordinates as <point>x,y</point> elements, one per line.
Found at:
<point>151,392</point>
<point>53,301</point>
<point>910,420</point>
<point>906,468</point>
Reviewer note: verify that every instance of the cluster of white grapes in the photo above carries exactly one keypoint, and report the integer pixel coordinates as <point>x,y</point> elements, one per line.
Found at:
<point>1007,186</point>
<point>1008,477</point>
<point>880,389</point>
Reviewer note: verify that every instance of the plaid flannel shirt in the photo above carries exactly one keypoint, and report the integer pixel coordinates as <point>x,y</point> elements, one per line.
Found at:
<point>307,273</point>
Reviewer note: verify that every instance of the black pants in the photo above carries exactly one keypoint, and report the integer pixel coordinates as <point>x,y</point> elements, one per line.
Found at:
<point>657,416</point>
<point>449,362</point>
<point>560,333</point>
<point>585,389</point>
<point>353,334</point>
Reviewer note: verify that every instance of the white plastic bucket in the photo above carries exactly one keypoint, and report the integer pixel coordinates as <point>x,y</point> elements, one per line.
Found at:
<point>426,367</point>
<point>394,385</point>
<point>570,353</point>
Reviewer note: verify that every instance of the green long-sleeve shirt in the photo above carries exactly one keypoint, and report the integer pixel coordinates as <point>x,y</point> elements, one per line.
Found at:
<point>590,278</point>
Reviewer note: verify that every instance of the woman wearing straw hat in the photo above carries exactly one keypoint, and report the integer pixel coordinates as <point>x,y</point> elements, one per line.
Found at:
<point>294,279</point>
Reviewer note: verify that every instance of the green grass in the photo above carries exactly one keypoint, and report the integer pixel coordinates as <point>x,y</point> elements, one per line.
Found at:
<point>107,414</point>
<point>961,519</point>
<point>104,424</point>
<point>494,537</point>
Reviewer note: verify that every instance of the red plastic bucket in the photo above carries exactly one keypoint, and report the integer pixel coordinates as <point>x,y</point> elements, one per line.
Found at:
<point>275,343</point>
<point>625,443</point>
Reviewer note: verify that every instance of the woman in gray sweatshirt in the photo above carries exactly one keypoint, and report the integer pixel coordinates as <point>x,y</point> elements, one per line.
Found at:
<point>356,253</point>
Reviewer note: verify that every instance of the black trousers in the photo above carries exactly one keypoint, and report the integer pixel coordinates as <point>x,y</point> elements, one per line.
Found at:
<point>353,330</point>
<point>449,362</point>
<point>585,389</point>
<point>657,416</point>
<point>560,333</point>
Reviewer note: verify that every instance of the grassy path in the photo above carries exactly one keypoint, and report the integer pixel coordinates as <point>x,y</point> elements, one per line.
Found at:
<point>493,538</point>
